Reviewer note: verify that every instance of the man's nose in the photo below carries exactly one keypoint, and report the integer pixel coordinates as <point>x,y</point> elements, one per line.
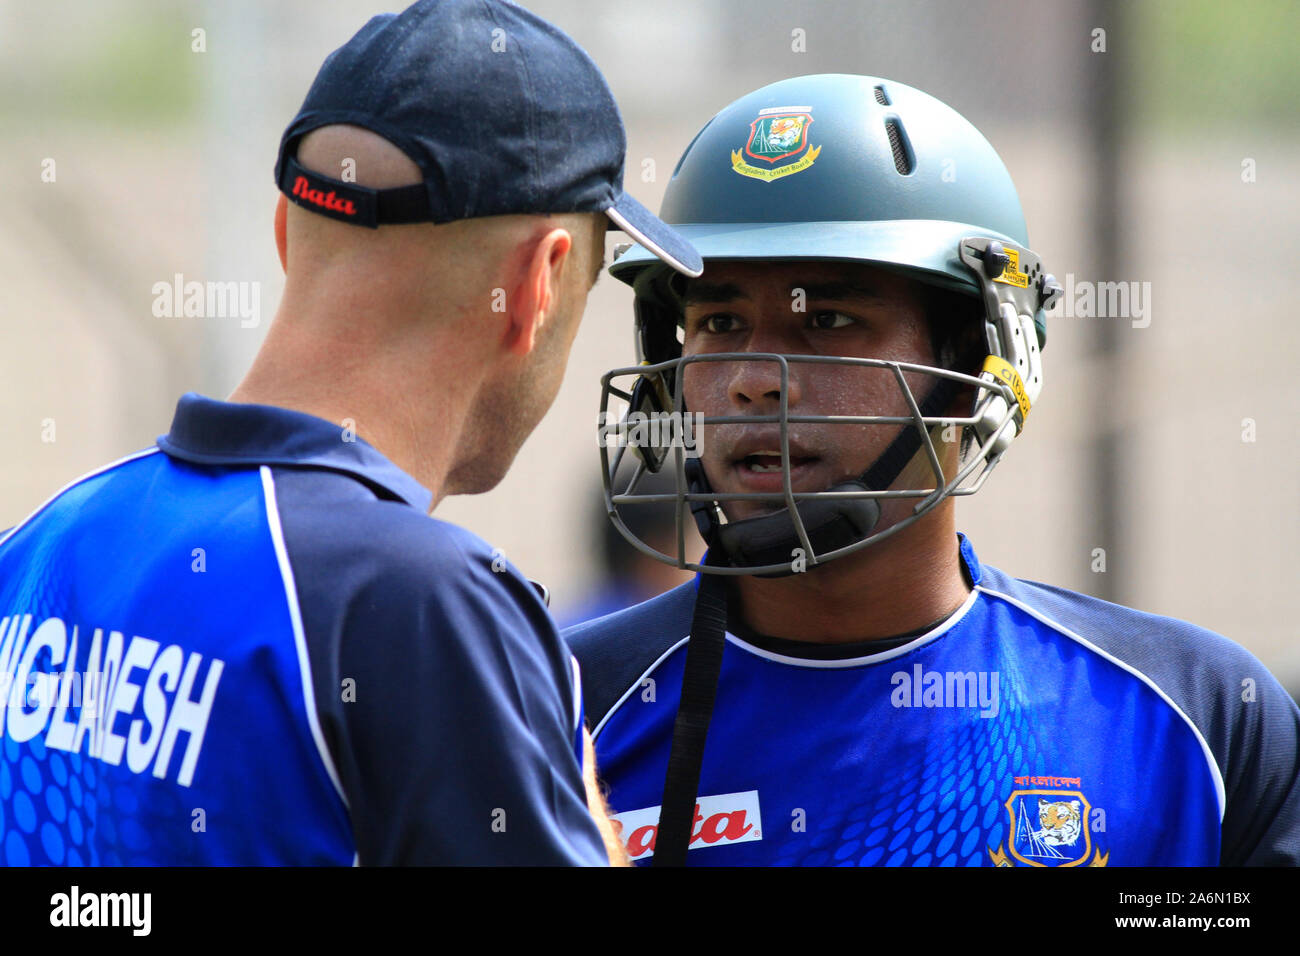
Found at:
<point>758,381</point>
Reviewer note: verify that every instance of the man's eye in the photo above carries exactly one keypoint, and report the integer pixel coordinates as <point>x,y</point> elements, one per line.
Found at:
<point>718,323</point>
<point>830,320</point>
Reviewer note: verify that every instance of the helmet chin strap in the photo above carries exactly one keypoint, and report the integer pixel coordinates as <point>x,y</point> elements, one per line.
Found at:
<point>830,524</point>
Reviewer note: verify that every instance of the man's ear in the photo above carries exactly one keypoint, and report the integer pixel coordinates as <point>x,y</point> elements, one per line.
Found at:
<point>282,231</point>
<point>538,282</point>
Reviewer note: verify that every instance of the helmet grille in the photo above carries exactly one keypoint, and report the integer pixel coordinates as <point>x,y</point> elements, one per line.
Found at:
<point>881,96</point>
<point>902,158</point>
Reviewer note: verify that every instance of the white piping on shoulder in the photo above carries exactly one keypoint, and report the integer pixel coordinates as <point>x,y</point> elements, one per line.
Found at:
<point>635,684</point>
<point>577,693</point>
<point>1205,747</point>
<point>299,638</point>
<point>72,484</point>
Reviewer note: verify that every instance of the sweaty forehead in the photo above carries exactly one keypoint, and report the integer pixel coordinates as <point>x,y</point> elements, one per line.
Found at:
<point>830,281</point>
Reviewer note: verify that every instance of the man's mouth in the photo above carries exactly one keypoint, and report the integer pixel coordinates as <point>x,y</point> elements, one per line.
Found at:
<point>753,463</point>
<point>766,462</point>
<point>760,472</point>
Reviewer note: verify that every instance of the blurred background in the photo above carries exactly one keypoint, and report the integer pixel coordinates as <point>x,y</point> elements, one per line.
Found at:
<point>1152,142</point>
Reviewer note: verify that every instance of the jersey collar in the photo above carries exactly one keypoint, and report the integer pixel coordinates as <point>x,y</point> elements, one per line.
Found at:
<point>970,563</point>
<point>209,432</point>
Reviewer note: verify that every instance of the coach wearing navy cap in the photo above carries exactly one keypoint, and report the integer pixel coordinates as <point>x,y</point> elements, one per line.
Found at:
<point>282,636</point>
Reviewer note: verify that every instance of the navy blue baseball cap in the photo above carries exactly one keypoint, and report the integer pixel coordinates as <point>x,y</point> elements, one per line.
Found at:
<point>503,113</point>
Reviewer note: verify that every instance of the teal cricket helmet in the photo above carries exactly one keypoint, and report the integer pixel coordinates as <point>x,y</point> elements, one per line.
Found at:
<point>842,168</point>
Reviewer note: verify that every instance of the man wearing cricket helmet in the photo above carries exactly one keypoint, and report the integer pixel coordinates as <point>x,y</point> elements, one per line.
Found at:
<point>844,681</point>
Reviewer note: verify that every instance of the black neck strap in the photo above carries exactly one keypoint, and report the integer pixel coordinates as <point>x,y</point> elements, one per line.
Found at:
<point>694,712</point>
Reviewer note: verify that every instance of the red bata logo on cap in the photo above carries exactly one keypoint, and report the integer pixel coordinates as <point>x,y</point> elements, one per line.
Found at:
<point>726,818</point>
<point>325,200</point>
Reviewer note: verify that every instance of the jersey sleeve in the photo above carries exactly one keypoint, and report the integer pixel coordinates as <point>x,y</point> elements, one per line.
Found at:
<point>1261,825</point>
<point>445,696</point>
<point>1249,724</point>
<point>614,651</point>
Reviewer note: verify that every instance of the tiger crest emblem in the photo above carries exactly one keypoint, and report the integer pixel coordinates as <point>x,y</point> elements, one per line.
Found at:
<point>1061,822</point>
<point>785,132</point>
<point>1048,828</point>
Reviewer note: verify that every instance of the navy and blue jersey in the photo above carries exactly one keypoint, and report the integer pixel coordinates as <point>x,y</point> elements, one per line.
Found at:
<point>251,644</point>
<point>1032,727</point>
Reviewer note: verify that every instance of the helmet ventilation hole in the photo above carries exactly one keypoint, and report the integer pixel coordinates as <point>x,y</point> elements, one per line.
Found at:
<point>898,143</point>
<point>881,96</point>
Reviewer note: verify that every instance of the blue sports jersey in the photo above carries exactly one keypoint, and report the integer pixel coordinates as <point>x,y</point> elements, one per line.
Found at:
<point>252,645</point>
<point>1033,727</point>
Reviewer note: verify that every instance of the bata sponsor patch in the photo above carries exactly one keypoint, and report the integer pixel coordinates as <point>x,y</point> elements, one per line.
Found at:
<point>346,202</point>
<point>726,818</point>
<point>318,197</point>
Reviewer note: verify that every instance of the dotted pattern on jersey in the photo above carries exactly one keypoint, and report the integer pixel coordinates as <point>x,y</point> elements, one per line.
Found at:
<point>943,807</point>
<point>61,808</point>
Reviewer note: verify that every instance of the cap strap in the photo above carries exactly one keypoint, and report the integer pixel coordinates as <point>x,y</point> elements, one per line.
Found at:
<point>348,202</point>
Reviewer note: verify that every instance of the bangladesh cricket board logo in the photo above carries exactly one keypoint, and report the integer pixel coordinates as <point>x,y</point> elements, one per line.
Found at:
<point>1048,828</point>
<point>778,136</point>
